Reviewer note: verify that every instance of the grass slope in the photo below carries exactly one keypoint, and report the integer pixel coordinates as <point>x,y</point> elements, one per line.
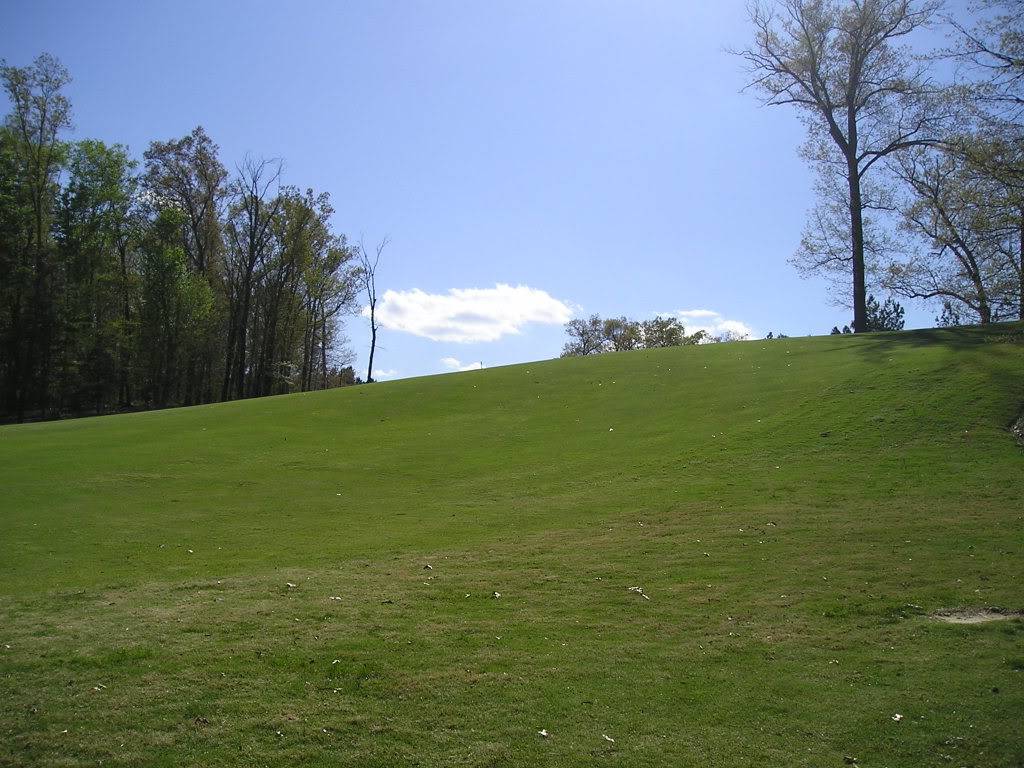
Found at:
<point>794,509</point>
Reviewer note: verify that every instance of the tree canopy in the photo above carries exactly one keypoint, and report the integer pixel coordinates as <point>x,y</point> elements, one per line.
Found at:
<point>170,282</point>
<point>592,335</point>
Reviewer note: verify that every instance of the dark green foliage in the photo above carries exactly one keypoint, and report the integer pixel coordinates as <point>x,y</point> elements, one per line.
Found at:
<point>951,315</point>
<point>881,317</point>
<point>121,291</point>
<point>586,337</point>
<point>884,317</point>
<point>94,213</point>
<point>592,335</point>
<point>663,332</point>
<point>623,334</point>
<point>33,155</point>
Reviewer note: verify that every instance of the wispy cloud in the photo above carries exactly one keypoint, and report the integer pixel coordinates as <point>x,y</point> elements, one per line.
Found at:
<point>693,314</point>
<point>712,322</point>
<point>385,373</point>
<point>454,364</point>
<point>465,315</point>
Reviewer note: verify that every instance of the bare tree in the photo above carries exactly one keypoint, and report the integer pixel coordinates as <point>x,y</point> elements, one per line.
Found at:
<point>992,54</point>
<point>949,208</point>
<point>826,244</point>
<point>368,275</point>
<point>862,94</point>
<point>998,158</point>
<point>186,174</point>
<point>254,207</point>
<point>991,57</point>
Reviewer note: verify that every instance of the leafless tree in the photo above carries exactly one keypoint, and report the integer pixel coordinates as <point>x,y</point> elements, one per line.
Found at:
<point>252,212</point>
<point>965,237</point>
<point>186,174</point>
<point>368,275</point>
<point>991,52</point>
<point>862,93</point>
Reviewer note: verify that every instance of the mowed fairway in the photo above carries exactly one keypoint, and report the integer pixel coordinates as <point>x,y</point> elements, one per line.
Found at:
<point>247,583</point>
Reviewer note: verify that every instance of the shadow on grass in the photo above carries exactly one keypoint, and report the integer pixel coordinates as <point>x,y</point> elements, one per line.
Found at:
<point>996,351</point>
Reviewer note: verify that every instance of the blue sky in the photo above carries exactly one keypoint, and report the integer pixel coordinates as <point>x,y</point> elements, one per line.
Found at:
<point>588,156</point>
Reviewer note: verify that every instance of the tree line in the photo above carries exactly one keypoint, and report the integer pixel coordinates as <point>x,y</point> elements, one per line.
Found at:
<point>167,282</point>
<point>593,335</point>
<point>919,180</point>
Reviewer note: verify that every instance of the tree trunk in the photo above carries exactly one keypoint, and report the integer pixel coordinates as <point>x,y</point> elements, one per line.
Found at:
<point>15,387</point>
<point>373,342</point>
<point>860,309</point>
<point>124,389</point>
<point>36,372</point>
<point>323,346</point>
<point>373,346</point>
<point>1020,270</point>
<point>969,264</point>
<point>243,327</point>
<point>229,352</point>
<point>268,361</point>
<point>984,310</point>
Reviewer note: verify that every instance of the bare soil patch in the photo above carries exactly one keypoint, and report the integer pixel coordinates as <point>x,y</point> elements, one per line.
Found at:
<point>975,615</point>
<point>1017,429</point>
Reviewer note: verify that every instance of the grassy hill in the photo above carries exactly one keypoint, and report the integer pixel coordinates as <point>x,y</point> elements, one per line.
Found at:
<point>248,584</point>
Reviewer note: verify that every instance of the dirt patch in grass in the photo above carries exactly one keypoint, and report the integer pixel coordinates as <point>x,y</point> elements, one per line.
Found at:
<point>975,615</point>
<point>1017,429</point>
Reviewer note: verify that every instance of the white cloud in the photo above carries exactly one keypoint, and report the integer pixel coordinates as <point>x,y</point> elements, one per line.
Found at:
<point>712,322</point>
<point>693,314</point>
<point>454,364</point>
<point>465,315</point>
<point>386,373</point>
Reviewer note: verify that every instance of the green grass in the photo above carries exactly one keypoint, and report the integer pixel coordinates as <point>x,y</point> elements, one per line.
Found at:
<point>794,509</point>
